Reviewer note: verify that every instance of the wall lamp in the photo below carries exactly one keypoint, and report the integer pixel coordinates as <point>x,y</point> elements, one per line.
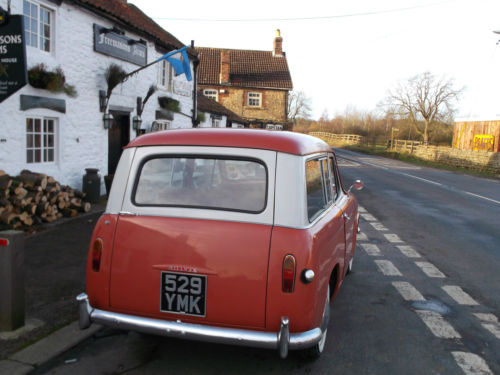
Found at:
<point>107,120</point>
<point>136,122</point>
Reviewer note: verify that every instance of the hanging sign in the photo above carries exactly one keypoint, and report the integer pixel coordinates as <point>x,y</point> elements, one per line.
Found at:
<point>13,73</point>
<point>112,43</point>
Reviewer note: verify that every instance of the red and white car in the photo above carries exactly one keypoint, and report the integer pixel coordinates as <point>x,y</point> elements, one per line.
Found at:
<point>232,236</point>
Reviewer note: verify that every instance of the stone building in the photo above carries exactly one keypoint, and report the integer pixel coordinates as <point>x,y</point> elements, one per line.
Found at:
<point>252,84</point>
<point>60,135</point>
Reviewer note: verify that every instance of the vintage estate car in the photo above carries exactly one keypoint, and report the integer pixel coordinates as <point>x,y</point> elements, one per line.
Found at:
<point>232,236</point>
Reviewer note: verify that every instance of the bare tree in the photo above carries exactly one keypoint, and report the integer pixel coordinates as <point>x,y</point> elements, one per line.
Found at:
<point>299,105</point>
<point>425,100</point>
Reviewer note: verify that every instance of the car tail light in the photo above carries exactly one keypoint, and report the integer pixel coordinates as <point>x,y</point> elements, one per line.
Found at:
<point>96,255</point>
<point>289,265</point>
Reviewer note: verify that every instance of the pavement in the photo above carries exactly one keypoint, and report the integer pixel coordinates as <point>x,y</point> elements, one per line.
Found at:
<point>55,257</point>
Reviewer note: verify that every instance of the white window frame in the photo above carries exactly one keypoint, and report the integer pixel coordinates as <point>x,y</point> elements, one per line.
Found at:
<point>32,20</point>
<point>211,94</point>
<point>165,75</point>
<point>254,99</point>
<point>41,146</point>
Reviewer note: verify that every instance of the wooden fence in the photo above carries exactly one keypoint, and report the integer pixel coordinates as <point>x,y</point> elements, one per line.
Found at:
<point>339,138</point>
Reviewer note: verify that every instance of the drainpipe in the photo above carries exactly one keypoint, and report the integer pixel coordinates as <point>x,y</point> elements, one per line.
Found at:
<point>195,90</point>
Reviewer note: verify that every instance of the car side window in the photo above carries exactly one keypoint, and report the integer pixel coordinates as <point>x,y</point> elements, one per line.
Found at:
<point>333,178</point>
<point>316,197</point>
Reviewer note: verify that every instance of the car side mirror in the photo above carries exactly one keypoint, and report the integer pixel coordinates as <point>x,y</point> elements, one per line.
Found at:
<point>358,185</point>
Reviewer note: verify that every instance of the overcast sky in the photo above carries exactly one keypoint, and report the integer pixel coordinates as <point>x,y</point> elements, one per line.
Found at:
<point>347,53</point>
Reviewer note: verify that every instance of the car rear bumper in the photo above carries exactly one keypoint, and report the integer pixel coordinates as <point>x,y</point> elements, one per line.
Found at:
<point>282,340</point>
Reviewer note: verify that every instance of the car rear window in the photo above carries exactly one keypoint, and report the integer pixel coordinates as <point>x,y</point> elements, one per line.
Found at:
<point>202,182</point>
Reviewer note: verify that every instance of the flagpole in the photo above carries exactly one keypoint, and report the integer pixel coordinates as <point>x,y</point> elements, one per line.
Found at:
<point>153,62</point>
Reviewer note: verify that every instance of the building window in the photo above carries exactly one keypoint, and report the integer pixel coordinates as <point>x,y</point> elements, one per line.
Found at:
<point>216,121</point>
<point>166,75</point>
<point>254,99</point>
<point>211,94</point>
<point>40,140</point>
<point>38,23</point>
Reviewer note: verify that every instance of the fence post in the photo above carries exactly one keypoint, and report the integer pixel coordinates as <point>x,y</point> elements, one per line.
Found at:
<point>11,280</point>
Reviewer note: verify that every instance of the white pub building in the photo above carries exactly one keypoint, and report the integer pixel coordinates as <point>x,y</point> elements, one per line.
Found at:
<point>64,120</point>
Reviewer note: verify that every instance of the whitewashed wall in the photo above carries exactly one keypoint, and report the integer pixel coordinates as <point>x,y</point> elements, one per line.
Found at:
<point>82,142</point>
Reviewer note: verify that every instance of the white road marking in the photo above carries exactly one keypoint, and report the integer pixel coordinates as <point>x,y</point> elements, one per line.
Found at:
<point>408,251</point>
<point>387,268</point>
<point>490,322</point>
<point>430,269</point>
<point>368,217</point>
<point>378,226</point>
<point>393,238</point>
<point>459,295</point>
<point>361,209</point>
<point>371,249</point>
<point>408,291</point>
<point>480,196</point>
<point>361,237</point>
<point>438,326</point>
<point>471,363</point>
<point>422,179</point>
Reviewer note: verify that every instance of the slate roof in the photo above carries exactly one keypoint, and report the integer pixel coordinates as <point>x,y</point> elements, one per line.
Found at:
<point>132,17</point>
<point>211,106</point>
<point>257,69</point>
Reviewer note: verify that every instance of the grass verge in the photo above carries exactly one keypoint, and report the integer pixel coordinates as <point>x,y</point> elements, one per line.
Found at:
<point>379,151</point>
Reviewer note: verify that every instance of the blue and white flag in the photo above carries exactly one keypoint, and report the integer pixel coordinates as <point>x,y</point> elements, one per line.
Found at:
<point>180,62</point>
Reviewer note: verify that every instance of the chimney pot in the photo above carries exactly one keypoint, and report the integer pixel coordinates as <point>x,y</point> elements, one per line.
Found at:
<point>225,64</point>
<point>278,44</point>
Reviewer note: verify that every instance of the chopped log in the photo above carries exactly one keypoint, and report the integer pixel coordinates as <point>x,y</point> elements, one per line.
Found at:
<point>41,208</point>
<point>35,196</point>
<point>51,180</point>
<point>28,221</point>
<point>76,202</point>
<point>30,209</point>
<point>86,206</point>
<point>68,212</point>
<point>32,179</point>
<point>20,192</point>
<point>7,217</point>
<point>5,182</point>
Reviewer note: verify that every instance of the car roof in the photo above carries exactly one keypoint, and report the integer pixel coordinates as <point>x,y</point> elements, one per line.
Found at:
<point>282,141</point>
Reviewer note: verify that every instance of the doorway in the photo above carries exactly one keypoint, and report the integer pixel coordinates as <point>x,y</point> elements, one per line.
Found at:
<point>118,137</point>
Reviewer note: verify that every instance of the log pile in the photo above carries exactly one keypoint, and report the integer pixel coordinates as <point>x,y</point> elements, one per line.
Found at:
<point>35,198</point>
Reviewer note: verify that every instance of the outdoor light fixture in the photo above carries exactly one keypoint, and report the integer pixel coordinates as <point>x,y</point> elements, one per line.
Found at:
<point>107,120</point>
<point>136,122</point>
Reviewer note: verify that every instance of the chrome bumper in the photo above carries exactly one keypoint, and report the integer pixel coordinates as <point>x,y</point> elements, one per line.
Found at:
<point>282,340</point>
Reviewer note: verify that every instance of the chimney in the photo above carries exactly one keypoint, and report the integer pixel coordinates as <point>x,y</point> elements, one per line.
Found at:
<point>278,44</point>
<point>225,64</point>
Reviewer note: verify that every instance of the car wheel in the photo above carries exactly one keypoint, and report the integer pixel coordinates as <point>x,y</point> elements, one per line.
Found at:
<point>315,351</point>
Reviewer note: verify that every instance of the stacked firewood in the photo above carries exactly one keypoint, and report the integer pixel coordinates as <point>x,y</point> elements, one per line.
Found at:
<point>35,198</point>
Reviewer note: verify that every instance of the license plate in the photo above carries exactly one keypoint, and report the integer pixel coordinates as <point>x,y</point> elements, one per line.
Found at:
<point>183,293</point>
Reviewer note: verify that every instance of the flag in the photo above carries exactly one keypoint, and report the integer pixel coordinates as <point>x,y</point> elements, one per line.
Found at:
<point>179,63</point>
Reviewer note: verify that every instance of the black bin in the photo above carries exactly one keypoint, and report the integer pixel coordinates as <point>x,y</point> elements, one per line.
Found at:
<point>91,185</point>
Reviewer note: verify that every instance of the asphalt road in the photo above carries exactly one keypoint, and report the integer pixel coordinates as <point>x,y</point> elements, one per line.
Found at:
<point>423,298</point>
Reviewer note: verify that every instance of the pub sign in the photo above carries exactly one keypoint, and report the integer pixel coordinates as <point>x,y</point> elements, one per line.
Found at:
<point>112,43</point>
<point>13,74</point>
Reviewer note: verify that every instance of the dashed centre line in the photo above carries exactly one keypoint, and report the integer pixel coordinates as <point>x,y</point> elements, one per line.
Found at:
<point>393,238</point>
<point>371,249</point>
<point>459,295</point>
<point>378,226</point>
<point>490,323</point>
<point>471,363</point>
<point>387,268</point>
<point>362,237</point>
<point>438,326</point>
<point>408,291</point>
<point>430,270</point>
<point>408,251</point>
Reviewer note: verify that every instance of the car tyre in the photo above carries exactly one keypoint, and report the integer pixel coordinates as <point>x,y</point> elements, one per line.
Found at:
<point>316,351</point>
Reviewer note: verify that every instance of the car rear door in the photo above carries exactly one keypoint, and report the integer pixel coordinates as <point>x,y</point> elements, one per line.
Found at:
<point>176,259</point>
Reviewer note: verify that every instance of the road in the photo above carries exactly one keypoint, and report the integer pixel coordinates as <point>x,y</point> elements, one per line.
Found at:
<point>424,297</point>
